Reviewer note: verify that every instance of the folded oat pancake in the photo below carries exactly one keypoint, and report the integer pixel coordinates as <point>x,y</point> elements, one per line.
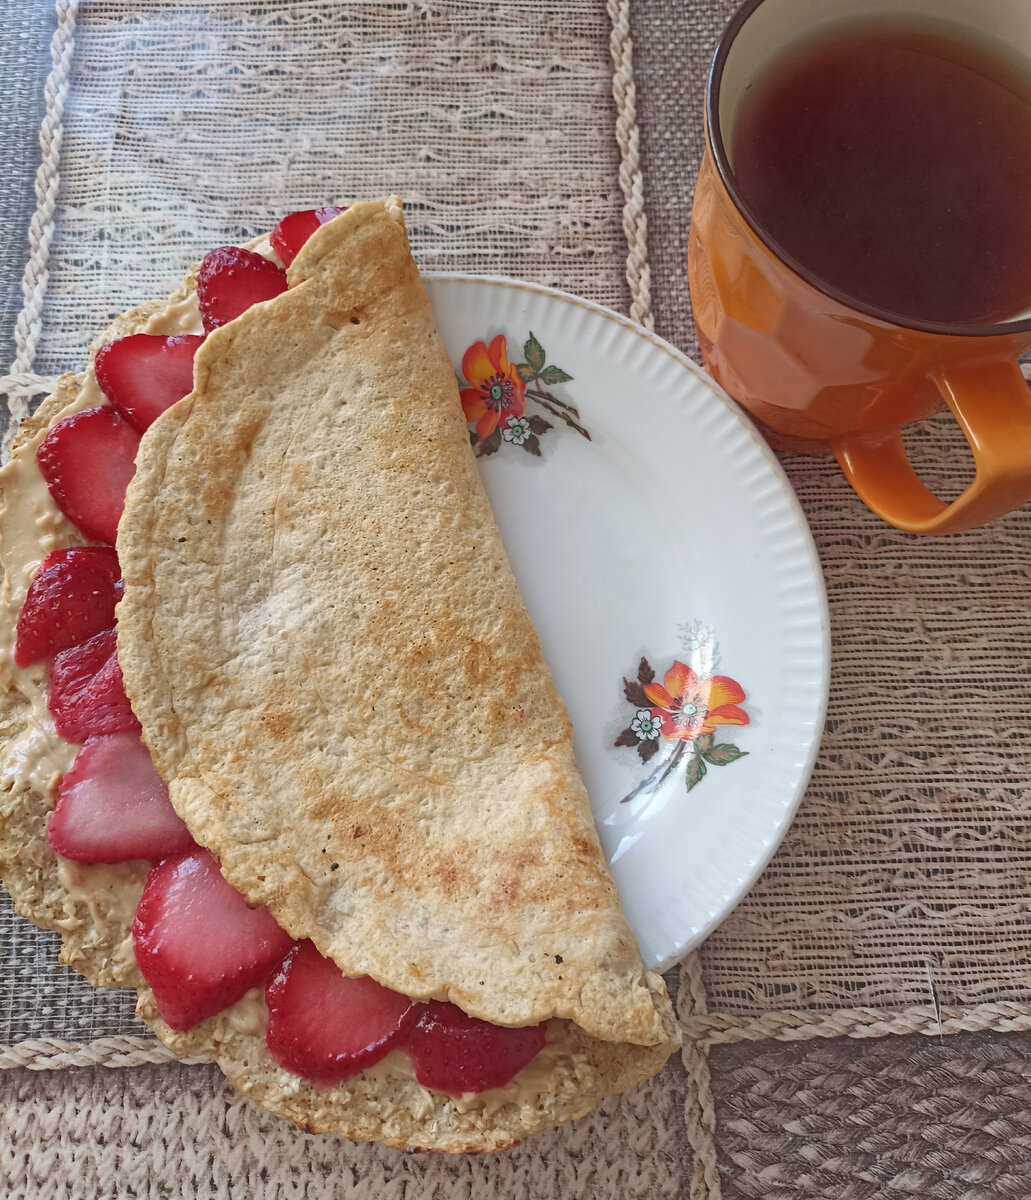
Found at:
<point>337,678</point>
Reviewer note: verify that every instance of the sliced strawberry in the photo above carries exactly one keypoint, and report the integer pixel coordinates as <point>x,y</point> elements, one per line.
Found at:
<point>71,669</point>
<point>294,230</point>
<point>87,461</point>
<point>198,943</point>
<point>145,373</point>
<point>112,806</point>
<point>85,692</point>
<point>453,1052</point>
<point>71,597</point>
<point>323,1025</point>
<point>231,279</point>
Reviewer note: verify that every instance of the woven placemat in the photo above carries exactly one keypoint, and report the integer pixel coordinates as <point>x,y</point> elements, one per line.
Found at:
<point>171,129</point>
<point>175,1131</point>
<point>167,130</point>
<point>892,1119</point>
<point>897,901</point>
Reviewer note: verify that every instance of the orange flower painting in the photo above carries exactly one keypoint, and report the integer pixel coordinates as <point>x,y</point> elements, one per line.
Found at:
<point>686,706</point>
<point>495,392</point>
<point>684,711</point>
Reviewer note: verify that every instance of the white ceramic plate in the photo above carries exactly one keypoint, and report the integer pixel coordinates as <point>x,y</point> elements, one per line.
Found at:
<point>670,536</point>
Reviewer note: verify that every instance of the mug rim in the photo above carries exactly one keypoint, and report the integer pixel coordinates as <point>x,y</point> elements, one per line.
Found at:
<point>722,159</point>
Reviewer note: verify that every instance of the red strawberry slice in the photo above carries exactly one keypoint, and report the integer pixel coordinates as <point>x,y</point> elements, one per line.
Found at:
<point>87,461</point>
<point>453,1052</point>
<point>71,597</point>
<point>85,692</point>
<point>294,230</point>
<point>146,373</point>
<point>112,806</point>
<point>198,943</point>
<point>231,279</point>
<point>323,1025</point>
<point>71,669</point>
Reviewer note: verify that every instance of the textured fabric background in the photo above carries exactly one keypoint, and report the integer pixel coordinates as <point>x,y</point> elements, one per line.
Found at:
<point>904,878</point>
<point>175,1131</point>
<point>26,30</point>
<point>184,127</point>
<point>191,124</point>
<point>886,1119</point>
<point>903,881</point>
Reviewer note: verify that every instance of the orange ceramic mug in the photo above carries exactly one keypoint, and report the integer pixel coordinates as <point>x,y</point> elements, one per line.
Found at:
<point>820,370</point>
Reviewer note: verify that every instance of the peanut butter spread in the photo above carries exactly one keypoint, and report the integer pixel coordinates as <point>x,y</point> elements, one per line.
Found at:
<point>106,896</point>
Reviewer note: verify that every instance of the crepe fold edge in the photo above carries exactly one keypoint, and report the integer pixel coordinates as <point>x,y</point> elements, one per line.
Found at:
<point>236,504</point>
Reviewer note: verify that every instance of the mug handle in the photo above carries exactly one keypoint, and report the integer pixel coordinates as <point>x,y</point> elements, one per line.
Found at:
<point>992,404</point>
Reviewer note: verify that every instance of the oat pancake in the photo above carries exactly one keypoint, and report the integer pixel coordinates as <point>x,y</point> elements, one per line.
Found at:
<point>336,675</point>
<point>334,669</point>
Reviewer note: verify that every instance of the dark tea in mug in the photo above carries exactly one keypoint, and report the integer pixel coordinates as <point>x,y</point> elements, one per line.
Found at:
<point>890,158</point>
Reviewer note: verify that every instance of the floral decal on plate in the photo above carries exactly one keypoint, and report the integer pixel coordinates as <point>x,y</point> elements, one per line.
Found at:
<point>685,709</point>
<point>494,393</point>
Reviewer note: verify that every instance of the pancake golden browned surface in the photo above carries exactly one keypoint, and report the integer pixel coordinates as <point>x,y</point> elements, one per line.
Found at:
<point>336,676</point>
<point>334,669</point>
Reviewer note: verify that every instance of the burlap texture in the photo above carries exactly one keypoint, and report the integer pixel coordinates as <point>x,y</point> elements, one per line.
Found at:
<point>892,1119</point>
<point>176,1131</point>
<point>902,886</point>
<point>188,125</point>
<point>176,128</point>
